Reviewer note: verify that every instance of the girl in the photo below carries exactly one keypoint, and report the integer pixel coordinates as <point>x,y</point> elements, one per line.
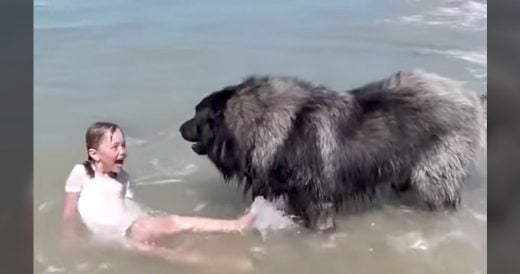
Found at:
<point>98,194</point>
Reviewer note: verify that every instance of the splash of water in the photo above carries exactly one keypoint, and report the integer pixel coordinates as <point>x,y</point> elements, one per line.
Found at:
<point>269,217</point>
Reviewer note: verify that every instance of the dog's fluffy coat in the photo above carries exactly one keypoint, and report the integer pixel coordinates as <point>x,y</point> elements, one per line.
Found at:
<point>283,137</point>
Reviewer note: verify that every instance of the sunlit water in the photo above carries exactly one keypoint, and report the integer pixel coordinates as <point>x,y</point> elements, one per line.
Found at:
<point>145,64</point>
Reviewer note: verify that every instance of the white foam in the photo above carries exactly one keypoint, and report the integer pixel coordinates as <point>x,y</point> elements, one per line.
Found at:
<point>420,245</point>
<point>45,206</point>
<point>269,217</point>
<point>258,250</point>
<point>187,170</point>
<point>54,269</point>
<point>458,14</point>
<point>199,207</point>
<point>40,3</point>
<point>475,57</point>
<point>415,240</point>
<point>131,141</point>
<point>333,240</point>
<point>39,257</point>
<point>411,240</point>
<point>162,172</point>
<point>478,73</point>
<point>478,216</point>
<point>160,182</point>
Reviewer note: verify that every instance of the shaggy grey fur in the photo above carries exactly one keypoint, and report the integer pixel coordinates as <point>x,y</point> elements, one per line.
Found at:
<point>283,137</point>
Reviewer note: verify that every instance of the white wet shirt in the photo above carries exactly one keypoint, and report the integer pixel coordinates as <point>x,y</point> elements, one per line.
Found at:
<point>104,203</point>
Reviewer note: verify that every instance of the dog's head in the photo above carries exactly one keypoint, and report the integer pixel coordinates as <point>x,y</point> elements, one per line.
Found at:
<point>222,121</point>
<point>211,136</point>
<point>202,129</point>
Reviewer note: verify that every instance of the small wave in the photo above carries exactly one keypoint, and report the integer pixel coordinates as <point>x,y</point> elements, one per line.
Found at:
<point>184,171</point>
<point>45,206</point>
<point>477,60</point>
<point>131,141</point>
<point>459,14</point>
<point>187,170</point>
<point>54,269</point>
<point>199,207</point>
<point>161,169</point>
<point>474,57</point>
<point>415,240</point>
<point>40,4</point>
<point>159,182</point>
<point>333,240</point>
<point>478,216</point>
<point>40,258</point>
<point>480,74</point>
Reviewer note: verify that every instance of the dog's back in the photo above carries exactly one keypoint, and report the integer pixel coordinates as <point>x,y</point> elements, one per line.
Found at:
<point>441,122</point>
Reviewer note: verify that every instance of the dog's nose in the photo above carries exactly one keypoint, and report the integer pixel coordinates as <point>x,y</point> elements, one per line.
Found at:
<point>188,131</point>
<point>182,130</point>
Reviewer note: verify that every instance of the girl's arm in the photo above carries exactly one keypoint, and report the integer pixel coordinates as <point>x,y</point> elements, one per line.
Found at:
<point>70,207</point>
<point>71,221</point>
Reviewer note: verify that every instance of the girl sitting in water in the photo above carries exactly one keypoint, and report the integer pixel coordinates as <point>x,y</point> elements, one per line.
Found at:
<point>98,194</point>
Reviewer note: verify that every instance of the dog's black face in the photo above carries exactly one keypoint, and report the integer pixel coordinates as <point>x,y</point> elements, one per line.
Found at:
<point>191,131</point>
<point>200,129</point>
<point>211,135</point>
<point>208,120</point>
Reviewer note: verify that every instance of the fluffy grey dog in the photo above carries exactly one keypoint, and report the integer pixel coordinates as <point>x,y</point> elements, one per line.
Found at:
<point>316,148</point>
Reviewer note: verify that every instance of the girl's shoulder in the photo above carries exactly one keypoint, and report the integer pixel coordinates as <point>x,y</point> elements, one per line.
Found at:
<point>79,169</point>
<point>77,176</point>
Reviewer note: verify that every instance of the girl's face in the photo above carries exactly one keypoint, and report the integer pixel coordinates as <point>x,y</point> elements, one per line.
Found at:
<point>111,152</point>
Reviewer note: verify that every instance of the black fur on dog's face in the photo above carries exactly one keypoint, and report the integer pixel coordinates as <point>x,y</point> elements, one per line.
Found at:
<point>201,128</point>
<point>210,135</point>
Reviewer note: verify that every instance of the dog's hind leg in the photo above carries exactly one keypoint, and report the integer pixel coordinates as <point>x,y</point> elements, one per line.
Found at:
<point>440,175</point>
